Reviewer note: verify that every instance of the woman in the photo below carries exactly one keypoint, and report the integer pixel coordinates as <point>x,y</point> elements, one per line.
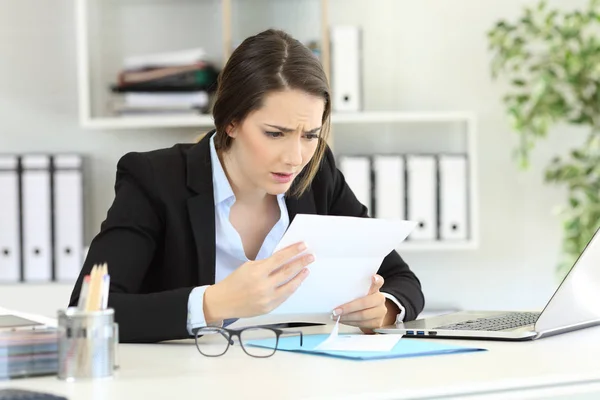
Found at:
<point>189,238</point>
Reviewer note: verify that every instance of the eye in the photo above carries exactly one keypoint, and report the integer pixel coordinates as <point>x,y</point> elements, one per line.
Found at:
<point>312,136</point>
<point>274,134</point>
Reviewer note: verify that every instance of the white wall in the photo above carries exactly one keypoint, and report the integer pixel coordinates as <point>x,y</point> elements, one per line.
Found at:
<point>419,55</point>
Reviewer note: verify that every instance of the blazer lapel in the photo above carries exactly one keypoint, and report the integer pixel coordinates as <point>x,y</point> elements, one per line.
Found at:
<point>304,204</point>
<point>201,208</point>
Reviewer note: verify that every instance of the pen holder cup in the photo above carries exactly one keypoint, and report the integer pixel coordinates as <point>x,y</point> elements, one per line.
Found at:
<point>87,344</point>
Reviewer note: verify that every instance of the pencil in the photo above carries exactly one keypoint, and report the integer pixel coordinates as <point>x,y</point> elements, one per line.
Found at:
<point>83,295</point>
<point>105,288</point>
<point>92,300</point>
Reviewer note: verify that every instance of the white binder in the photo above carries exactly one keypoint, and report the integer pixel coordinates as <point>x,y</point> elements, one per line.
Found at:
<point>453,197</point>
<point>422,195</point>
<point>389,186</point>
<point>346,68</point>
<point>357,172</point>
<point>36,209</point>
<point>10,251</point>
<point>68,216</point>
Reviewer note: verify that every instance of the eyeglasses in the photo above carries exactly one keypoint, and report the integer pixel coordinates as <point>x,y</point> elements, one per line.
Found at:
<point>215,341</point>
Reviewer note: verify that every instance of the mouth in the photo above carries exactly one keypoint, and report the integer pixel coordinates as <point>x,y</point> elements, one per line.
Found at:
<point>282,177</point>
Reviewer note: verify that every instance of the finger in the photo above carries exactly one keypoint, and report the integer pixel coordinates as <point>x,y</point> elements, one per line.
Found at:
<point>287,289</point>
<point>369,301</point>
<point>364,315</point>
<point>284,255</point>
<point>376,283</point>
<point>369,324</point>
<point>291,269</point>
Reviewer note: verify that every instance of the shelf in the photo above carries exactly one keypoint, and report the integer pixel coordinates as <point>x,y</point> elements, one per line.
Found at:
<point>436,246</point>
<point>144,122</point>
<point>400,116</point>
<point>162,121</point>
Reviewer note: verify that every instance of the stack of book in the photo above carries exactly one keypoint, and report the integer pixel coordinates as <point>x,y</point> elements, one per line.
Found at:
<point>25,353</point>
<point>165,83</point>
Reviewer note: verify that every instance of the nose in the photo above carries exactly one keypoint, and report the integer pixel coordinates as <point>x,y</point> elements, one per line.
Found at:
<point>293,153</point>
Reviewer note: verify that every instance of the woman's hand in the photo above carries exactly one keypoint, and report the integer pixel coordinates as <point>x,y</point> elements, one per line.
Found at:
<point>369,312</point>
<point>257,287</point>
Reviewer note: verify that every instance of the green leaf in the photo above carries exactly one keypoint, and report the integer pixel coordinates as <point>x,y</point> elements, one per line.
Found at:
<point>577,154</point>
<point>574,202</point>
<point>541,5</point>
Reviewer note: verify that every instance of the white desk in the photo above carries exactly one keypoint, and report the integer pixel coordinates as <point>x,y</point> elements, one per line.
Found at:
<point>561,367</point>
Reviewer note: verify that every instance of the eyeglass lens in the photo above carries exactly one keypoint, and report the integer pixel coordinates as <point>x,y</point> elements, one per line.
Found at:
<point>213,342</point>
<point>251,334</point>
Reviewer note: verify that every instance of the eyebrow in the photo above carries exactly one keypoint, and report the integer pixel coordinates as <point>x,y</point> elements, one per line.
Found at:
<point>287,130</point>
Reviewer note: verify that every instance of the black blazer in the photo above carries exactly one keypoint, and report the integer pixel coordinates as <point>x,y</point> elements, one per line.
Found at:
<point>158,238</point>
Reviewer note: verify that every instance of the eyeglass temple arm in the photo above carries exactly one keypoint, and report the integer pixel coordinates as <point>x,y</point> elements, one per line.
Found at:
<point>222,332</point>
<point>296,332</point>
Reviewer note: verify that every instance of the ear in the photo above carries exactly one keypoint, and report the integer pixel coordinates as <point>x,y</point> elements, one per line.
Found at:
<point>231,130</point>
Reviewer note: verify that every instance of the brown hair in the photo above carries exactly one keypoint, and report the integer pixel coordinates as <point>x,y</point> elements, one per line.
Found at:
<point>269,61</point>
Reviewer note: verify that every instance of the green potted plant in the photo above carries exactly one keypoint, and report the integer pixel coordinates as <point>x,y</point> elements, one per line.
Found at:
<point>551,60</point>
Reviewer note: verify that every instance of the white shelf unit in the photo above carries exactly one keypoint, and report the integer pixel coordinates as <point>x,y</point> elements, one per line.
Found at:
<point>93,78</point>
<point>107,31</point>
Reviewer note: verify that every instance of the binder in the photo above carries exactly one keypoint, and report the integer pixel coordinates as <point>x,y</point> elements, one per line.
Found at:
<point>10,242</point>
<point>357,172</point>
<point>68,216</point>
<point>346,68</point>
<point>453,197</point>
<point>389,185</point>
<point>36,211</point>
<point>422,195</point>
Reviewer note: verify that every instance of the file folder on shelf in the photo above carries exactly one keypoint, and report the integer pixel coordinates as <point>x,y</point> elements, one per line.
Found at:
<point>357,172</point>
<point>389,185</point>
<point>68,216</point>
<point>422,195</point>
<point>453,197</point>
<point>346,68</point>
<point>37,220</point>
<point>10,241</point>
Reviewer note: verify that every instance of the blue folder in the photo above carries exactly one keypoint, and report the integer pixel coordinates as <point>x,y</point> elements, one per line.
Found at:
<point>404,348</point>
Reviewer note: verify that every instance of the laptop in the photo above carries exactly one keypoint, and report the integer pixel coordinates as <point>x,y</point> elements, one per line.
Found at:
<point>574,305</point>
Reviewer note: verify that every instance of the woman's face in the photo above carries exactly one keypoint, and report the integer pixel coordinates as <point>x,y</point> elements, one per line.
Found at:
<point>274,143</point>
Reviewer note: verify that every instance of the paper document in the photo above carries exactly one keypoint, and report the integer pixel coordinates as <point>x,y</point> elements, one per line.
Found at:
<point>354,342</point>
<point>49,322</point>
<point>348,252</point>
<point>332,336</point>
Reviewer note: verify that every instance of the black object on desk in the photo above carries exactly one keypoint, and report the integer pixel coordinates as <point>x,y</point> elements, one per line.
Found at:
<point>21,394</point>
<point>283,325</point>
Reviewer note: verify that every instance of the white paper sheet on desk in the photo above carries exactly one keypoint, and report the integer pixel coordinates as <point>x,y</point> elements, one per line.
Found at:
<point>50,322</point>
<point>357,342</point>
<point>348,252</point>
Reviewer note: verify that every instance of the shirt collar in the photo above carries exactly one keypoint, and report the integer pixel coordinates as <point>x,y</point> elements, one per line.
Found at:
<point>222,187</point>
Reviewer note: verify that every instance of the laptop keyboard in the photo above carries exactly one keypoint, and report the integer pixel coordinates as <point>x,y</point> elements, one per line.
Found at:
<point>496,323</point>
